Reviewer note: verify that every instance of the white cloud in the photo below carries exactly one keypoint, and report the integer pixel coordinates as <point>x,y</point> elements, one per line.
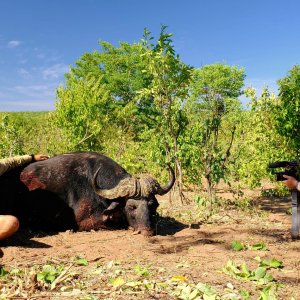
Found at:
<point>13,44</point>
<point>28,97</point>
<point>55,71</point>
<point>27,105</point>
<point>36,91</point>
<point>24,73</point>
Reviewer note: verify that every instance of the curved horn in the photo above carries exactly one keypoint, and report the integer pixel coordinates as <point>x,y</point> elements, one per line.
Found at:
<point>126,188</point>
<point>163,190</point>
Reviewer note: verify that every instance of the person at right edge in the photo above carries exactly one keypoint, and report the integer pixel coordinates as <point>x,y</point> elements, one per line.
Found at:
<point>291,182</point>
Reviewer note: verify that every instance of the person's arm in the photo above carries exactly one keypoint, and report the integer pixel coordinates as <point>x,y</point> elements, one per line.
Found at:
<point>7,164</point>
<point>291,182</point>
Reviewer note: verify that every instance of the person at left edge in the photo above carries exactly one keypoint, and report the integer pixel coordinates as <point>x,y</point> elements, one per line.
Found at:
<point>10,224</point>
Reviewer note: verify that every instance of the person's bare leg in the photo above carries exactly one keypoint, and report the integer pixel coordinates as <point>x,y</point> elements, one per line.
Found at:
<point>8,226</point>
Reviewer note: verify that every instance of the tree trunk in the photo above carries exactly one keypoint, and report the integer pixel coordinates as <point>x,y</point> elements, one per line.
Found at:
<point>179,181</point>
<point>210,192</point>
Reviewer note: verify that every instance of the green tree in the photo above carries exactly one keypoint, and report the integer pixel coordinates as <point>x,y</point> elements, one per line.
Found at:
<point>11,136</point>
<point>97,109</point>
<point>82,111</point>
<point>163,99</point>
<point>287,114</point>
<point>29,132</point>
<point>214,99</point>
<point>258,142</point>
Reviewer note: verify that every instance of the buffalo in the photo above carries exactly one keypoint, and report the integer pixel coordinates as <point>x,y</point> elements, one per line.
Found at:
<point>80,191</point>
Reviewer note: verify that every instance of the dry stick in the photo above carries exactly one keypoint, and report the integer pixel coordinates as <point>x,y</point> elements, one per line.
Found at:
<point>61,277</point>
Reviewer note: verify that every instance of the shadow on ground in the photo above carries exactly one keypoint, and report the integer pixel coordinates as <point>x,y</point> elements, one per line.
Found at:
<point>170,226</point>
<point>23,238</point>
<point>274,205</point>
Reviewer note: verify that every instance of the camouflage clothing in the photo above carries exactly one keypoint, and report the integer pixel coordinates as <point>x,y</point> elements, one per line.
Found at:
<point>7,164</point>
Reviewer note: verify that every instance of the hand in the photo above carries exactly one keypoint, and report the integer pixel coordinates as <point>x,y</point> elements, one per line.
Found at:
<point>38,157</point>
<point>290,182</point>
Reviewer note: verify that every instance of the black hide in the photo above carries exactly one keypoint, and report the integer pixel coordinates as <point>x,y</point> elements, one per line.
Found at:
<point>57,194</point>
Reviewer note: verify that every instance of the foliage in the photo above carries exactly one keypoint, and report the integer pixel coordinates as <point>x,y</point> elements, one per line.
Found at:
<point>258,144</point>
<point>29,132</point>
<point>3,272</point>
<point>49,273</point>
<point>259,275</point>
<point>288,110</point>
<point>213,109</point>
<point>82,112</point>
<point>10,134</point>
<point>143,106</point>
<point>166,92</point>
<point>239,246</point>
<point>81,261</point>
<point>270,263</point>
<point>116,279</point>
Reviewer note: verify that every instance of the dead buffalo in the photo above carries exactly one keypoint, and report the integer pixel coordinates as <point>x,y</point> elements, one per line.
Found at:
<point>80,191</point>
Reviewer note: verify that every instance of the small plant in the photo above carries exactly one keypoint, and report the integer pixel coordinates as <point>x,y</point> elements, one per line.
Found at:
<point>278,191</point>
<point>117,282</point>
<point>3,272</point>
<point>259,275</point>
<point>80,261</point>
<point>189,292</point>
<point>201,201</point>
<point>268,293</point>
<point>260,246</point>
<point>141,271</point>
<point>239,246</point>
<point>270,263</point>
<point>49,273</point>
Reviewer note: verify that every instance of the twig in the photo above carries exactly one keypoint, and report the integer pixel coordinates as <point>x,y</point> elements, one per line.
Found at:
<point>61,277</point>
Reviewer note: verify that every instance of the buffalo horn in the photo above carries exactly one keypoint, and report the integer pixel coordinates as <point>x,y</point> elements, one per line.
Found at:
<point>163,190</point>
<point>130,187</point>
<point>126,188</point>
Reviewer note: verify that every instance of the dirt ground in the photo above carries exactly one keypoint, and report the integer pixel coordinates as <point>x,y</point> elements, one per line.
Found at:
<point>196,251</point>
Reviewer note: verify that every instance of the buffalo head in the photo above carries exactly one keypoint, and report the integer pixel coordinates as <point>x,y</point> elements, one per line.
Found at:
<point>139,195</point>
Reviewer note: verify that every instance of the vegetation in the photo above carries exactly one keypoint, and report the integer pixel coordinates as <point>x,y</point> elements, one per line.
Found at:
<point>143,106</point>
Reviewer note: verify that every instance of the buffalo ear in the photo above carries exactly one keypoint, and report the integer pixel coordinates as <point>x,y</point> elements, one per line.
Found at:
<point>31,180</point>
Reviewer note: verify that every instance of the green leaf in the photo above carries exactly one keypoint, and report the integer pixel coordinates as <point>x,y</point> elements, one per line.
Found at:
<point>81,261</point>
<point>245,295</point>
<point>116,282</point>
<point>179,278</point>
<point>272,263</point>
<point>49,273</point>
<point>260,246</point>
<point>259,273</point>
<point>141,271</point>
<point>206,289</point>
<point>245,270</point>
<point>3,272</point>
<point>237,246</point>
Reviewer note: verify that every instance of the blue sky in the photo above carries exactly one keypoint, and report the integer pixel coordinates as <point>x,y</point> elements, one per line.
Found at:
<point>40,39</point>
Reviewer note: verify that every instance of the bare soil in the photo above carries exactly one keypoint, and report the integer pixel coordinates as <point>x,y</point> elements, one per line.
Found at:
<point>181,247</point>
